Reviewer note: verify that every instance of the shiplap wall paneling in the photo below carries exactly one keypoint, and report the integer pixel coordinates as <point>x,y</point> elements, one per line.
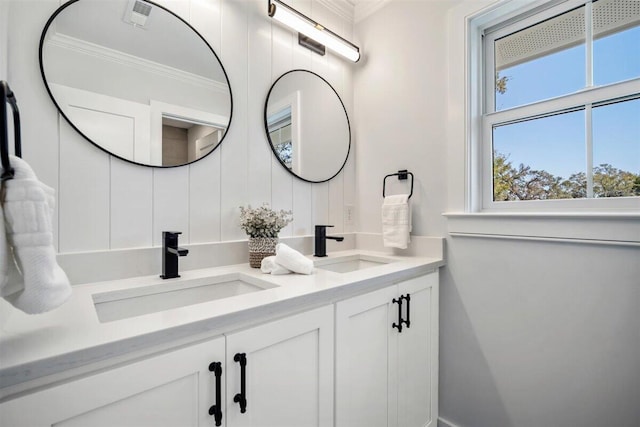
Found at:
<point>4,39</point>
<point>171,189</point>
<point>131,205</point>
<point>336,203</point>
<point>282,180</point>
<point>38,117</point>
<point>233,165</point>
<point>302,192</point>
<point>320,191</point>
<point>336,76</point>
<point>205,180</point>
<point>302,57</point>
<point>259,154</point>
<point>84,193</point>
<point>170,203</point>
<point>322,65</point>
<point>348,173</point>
<point>302,206</point>
<point>104,203</point>
<point>204,199</point>
<point>336,185</point>
<point>320,204</point>
<point>349,195</point>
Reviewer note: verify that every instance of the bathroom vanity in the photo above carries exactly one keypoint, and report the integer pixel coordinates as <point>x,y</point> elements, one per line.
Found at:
<point>355,344</point>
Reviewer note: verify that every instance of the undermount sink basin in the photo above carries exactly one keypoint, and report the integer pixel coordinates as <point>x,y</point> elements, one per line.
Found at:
<point>351,263</point>
<point>122,304</point>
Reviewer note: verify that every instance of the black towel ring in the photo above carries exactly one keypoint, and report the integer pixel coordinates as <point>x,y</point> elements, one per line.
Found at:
<point>402,175</point>
<point>7,96</point>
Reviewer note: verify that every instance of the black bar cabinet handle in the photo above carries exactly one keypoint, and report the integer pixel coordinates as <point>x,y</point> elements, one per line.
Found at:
<point>241,398</point>
<point>408,299</point>
<point>399,324</point>
<point>216,410</point>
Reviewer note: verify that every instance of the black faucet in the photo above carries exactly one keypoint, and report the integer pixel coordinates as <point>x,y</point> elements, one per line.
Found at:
<point>321,240</point>
<point>170,254</point>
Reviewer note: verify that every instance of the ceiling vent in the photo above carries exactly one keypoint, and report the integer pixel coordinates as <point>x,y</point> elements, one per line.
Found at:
<point>137,13</point>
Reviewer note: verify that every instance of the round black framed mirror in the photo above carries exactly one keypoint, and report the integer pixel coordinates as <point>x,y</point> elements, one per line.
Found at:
<point>307,126</point>
<point>136,80</point>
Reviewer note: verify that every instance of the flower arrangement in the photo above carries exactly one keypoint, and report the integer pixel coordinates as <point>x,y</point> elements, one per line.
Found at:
<point>263,221</point>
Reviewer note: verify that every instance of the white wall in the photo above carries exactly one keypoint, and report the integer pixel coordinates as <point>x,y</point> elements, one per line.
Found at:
<point>532,333</point>
<point>4,35</point>
<point>400,111</point>
<point>106,204</point>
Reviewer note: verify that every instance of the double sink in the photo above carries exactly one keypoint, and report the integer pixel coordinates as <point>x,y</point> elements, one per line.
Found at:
<point>126,303</point>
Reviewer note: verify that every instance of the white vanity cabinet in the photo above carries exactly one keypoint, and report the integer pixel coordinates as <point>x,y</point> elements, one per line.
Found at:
<point>386,377</point>
<point>288,372</point>
<point>170,389</point>
<point>284,372</point>
<point>288,382</point>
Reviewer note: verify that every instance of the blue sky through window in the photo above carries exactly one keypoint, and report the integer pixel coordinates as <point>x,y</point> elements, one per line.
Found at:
<point>557,144</point>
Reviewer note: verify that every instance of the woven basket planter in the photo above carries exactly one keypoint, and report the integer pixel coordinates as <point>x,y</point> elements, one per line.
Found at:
<point>259,248</point>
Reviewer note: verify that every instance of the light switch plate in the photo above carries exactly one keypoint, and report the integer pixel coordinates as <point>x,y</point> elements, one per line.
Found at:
<point>349,214</point>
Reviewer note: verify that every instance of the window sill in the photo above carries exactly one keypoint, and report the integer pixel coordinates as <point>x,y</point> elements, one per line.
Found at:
<point>620,229</point>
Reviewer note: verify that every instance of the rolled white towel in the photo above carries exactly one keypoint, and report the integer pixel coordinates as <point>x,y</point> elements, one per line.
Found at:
<point>40,285</point>
<point>293,260</point>
<point>269,265</point>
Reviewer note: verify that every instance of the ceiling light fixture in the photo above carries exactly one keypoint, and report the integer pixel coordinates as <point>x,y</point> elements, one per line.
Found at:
<point>299,22</point>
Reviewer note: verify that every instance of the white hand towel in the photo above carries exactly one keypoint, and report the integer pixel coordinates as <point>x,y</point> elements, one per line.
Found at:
<point>293,260</point>
<point>396,221</point>
<point>6,256</point>
<point>269,265</point>
<point>40,285</point>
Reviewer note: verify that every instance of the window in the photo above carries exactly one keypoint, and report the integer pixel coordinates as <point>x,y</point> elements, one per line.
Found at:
<point>560,108</point>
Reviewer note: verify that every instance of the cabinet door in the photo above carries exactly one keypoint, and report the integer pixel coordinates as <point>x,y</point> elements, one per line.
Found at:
<point>172,389</point>
<point>418,354</point>
<point>288,372</point>
<point>366,349</point>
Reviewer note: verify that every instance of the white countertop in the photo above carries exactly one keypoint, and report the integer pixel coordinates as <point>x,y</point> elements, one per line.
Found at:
<point>72,336</point>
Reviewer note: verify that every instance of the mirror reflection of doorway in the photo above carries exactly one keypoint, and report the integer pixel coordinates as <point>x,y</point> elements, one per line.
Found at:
<point>114,67</point>
<point>185,141</point>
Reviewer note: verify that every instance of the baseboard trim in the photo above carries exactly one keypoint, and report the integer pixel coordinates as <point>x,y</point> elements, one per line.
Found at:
<point>445,423</point>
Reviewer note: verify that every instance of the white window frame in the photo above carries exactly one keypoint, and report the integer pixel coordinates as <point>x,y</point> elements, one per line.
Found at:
<point>505,19</point>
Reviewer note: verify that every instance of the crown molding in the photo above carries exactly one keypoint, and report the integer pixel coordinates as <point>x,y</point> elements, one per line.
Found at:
<point>365,8</point>
<point>353,11</point>
<point>97,51</point>
<point>342,8</point>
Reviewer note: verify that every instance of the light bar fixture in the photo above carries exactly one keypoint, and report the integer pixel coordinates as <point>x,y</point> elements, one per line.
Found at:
<point>299,22</point>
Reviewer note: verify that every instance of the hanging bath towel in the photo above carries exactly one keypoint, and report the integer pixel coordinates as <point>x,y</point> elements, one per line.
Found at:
<point>31,278</point>
<point>396,221</point>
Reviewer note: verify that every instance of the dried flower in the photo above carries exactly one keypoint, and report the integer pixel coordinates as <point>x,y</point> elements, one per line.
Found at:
<point>263,221</point>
